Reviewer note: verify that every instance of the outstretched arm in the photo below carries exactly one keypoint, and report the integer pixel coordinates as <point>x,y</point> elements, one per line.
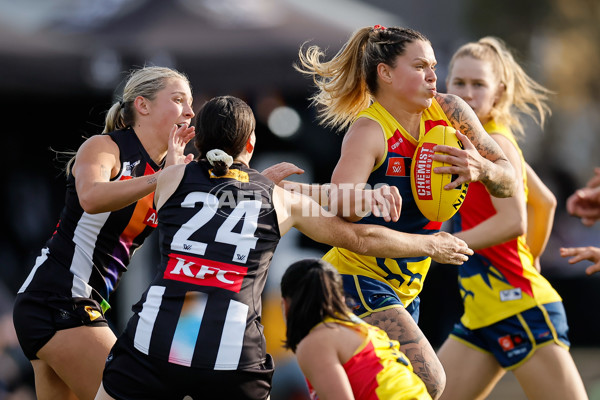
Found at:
<point>482,159</point>
<point>303,213</point>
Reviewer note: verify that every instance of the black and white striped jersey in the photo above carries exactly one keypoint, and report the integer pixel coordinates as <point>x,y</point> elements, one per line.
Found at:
<point>217,237</point>
<point>88,253</point>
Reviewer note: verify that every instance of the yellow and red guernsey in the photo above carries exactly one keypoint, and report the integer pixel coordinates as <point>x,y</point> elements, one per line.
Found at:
<point>404,275</point>
<point>378,370</point>
<point>499,281</point>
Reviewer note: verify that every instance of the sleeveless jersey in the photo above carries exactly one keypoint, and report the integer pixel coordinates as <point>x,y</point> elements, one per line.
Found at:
<point>88,253</point>
<point>217,236</point>
<point>378,369</point>
<point>499,281</point>
<point>404,275</point>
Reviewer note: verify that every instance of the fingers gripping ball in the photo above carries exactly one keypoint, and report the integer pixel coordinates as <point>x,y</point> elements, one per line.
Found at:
<point>434,202</point>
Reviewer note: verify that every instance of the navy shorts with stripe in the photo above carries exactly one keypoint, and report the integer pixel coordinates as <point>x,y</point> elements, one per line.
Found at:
<point>365,296</point>
<point>513,340</point>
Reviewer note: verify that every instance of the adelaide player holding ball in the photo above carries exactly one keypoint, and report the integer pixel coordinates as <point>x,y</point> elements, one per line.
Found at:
<point>382,86</point>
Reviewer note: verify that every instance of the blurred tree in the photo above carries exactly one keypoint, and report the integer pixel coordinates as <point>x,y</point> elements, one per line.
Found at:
<point>572,52</point>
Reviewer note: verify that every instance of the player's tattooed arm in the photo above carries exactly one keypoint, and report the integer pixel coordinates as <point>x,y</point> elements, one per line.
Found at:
<point>498,178</point>
<point>400,326</point>
<point>152,179</point>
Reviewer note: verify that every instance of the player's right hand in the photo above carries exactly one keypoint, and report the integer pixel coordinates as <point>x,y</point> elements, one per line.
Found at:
<point>448,249</point>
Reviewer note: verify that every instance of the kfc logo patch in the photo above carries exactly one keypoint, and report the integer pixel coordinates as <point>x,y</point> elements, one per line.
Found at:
<point>203,272</point>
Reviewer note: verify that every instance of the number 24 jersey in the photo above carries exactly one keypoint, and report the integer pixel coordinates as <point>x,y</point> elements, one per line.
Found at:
<point>217,236</point>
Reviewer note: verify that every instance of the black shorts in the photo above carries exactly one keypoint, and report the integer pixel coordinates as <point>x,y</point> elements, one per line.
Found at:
<point>37,316</point>
<point>132,375</point>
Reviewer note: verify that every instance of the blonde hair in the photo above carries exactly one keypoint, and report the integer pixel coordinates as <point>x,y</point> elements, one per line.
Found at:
<point>347,83</point>
<point>145,82</point>
<point>521,91</point>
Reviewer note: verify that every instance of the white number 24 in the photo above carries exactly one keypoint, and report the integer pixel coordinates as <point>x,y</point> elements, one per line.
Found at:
<point>246,210</point>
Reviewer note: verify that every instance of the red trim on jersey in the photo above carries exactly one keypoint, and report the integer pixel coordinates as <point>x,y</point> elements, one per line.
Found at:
<point>151,218</point>
<point>398,144</point>
<point>430,124</point>
<point>433,226</point>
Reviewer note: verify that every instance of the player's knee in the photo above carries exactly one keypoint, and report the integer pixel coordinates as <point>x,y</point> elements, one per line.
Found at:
<point>438,382</point>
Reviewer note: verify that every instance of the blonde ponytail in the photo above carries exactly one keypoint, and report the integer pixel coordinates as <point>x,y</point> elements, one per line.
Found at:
<point>347,84</point>
<point>522,93</point>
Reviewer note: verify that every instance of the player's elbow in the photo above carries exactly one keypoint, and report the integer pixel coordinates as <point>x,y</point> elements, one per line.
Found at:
<point>508,189</point>
<point>516,227</point>
<point>361,241</point>
<point>90,204</point>
<point>550,201</point>
<point>505,186</point>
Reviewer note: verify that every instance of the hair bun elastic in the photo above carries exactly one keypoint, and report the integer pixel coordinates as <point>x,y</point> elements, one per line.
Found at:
<point>216,155</point>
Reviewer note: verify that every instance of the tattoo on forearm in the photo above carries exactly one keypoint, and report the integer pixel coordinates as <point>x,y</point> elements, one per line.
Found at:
<point>152,180</point>
<point>465,120</point>
<point>462,119</point>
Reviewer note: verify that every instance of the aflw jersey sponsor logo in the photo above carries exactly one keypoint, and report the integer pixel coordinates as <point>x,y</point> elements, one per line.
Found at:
<point>511,294</point>
<point>398,144</point>
<point>199,271</point>
<point>396,167</point>
<point>395,142</point>
<point>423,162</point>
